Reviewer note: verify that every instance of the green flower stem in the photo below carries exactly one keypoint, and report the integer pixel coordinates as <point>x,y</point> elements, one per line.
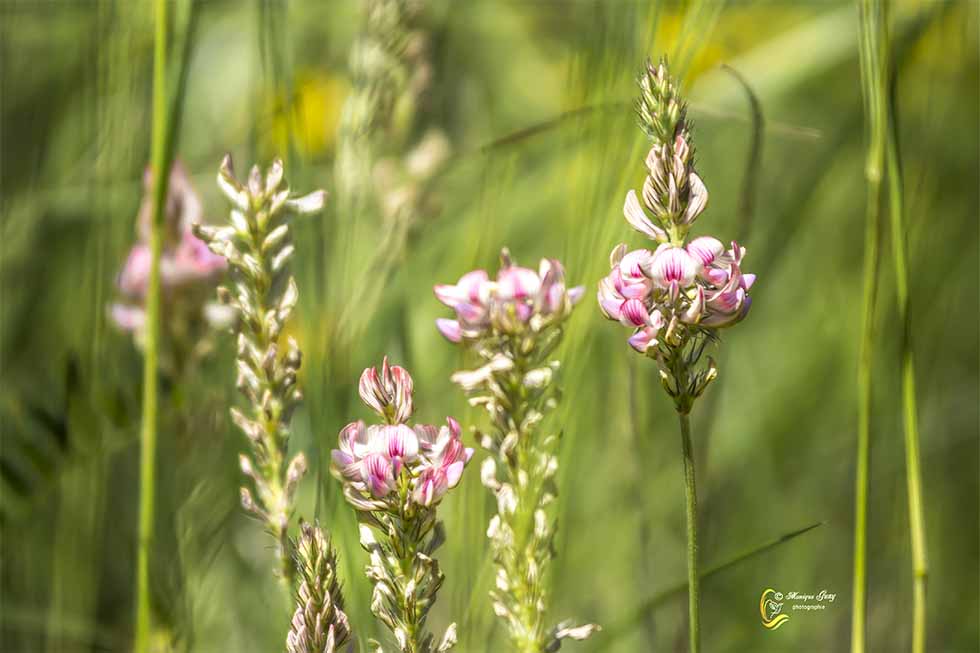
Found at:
<point>691,501</point>
<point>531,636</point>
<point>864,421</point>
<point>148,436</point>
<point>920,568</point>
<point>872,55</point>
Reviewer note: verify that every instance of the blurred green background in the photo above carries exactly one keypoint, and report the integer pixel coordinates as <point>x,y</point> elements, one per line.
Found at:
<point>534,98</point>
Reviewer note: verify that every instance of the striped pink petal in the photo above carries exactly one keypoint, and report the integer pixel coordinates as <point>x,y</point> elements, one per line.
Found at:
<point>705,249</point>
<point>634,313</point>
<point>517,283</point>
<point>633,264</point>
<point>400,442</point>
<point>672,266</point>
<point>471,284</point>
<point>378,472</point>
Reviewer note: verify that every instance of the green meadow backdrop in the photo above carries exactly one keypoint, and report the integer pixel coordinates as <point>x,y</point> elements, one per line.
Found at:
<point>535,98</point>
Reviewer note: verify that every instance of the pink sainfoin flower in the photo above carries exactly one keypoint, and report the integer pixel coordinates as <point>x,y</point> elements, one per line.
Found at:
<point>187,266</point>
<point>374,461</point>
<point>519,299</point>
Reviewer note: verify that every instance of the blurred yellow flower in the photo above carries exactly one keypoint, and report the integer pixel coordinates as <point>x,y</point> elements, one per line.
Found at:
<point>314,113</point>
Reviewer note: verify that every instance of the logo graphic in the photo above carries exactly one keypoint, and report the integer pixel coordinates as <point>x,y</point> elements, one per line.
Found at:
<point>771,609</point>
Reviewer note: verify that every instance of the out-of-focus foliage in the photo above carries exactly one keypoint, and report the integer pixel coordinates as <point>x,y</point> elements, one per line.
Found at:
<point>535,98</point>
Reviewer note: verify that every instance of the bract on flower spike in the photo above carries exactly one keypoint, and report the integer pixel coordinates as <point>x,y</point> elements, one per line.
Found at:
<point>513,324</point>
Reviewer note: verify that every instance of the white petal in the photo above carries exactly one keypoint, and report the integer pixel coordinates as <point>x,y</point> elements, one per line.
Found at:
<point>697,200</point>
<point>638,219</point>
<point>306,204</point>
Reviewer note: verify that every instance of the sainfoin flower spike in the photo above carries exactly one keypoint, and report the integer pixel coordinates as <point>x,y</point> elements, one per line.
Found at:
<point>513,323</point>
<point>678,296</point>
<point>257,244</point>
<point>395,475</point>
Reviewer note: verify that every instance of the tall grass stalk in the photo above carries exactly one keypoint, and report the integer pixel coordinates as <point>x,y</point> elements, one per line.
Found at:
<point>910,417</point>
<point>691,503</point>
<point>148,435</point>
<point>872,54</point>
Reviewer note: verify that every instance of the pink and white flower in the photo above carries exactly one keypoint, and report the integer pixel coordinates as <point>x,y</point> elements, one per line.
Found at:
<point>373,461</point>
<point>135,274</point>
<point>706,249</point>
<point>182,208</point>
<point>378,474</point>
<point>184,259</point>
<point>672,268</point>
<point>700,284</point>
<point>354,445</point>
<point>445,458</point>
<point>518,299</point>
<point>469,297</point>
<point>645,337</point>
<point>191,262</point>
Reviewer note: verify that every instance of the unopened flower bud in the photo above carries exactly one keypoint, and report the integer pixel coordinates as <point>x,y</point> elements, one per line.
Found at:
<point>388,393</point>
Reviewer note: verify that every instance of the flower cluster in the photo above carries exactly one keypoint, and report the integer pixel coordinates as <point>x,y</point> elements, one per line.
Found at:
<point>372,460</point>
<point>256,243</point>
<point>188,270</point>
<point>395,475</point>
<point>677,296</point>
<point>656,293</point>
<point>519,300</point>
<point>514,324</point>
